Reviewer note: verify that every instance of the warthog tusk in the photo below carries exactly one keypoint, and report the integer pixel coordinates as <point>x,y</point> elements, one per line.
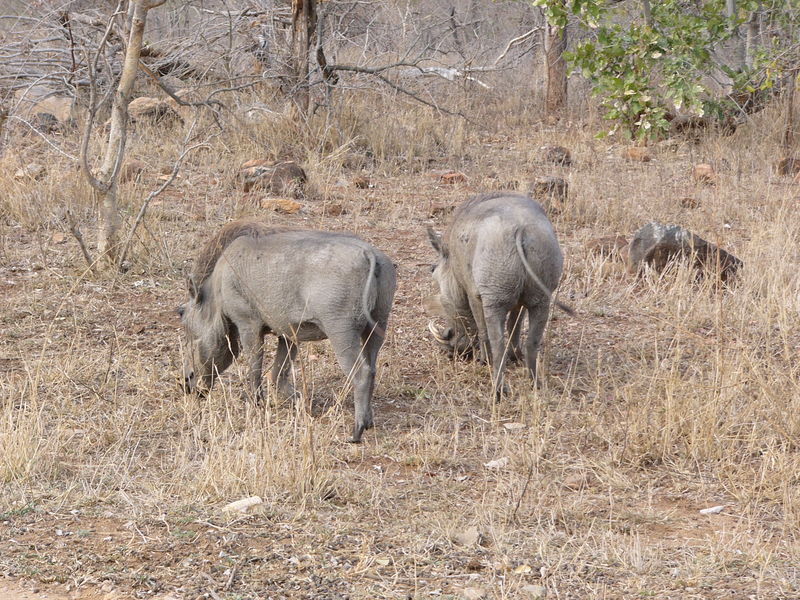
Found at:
<point>437,334</point>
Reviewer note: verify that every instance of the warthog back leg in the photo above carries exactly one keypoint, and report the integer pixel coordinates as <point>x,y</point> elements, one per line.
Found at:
<point>514,327</point>
<point>282,365</point>
<point>537,319</point>
<point>495,325</point>
<point>356,367</point>
<point>252,339</point>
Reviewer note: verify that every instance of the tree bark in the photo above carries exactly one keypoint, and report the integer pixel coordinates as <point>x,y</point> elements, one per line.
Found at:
<point>788,129</point>
<point>109,221</point>
<point>304,21</point>
<point>555,44</point>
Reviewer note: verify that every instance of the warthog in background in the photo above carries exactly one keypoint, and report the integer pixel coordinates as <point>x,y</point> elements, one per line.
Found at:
<point>499,256</point>
<point>251,280</point>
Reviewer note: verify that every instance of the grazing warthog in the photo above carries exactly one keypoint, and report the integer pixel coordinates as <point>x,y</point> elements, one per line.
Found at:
<point>251,280</point>
<point>499,256</point>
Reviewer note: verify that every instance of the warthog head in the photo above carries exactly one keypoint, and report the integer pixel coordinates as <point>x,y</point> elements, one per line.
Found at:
<point>459,335</point>
<point>211,346</point>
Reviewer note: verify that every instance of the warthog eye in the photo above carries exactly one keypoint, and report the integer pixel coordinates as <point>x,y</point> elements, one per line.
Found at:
<point>433,268</point>
<point>180,310</point>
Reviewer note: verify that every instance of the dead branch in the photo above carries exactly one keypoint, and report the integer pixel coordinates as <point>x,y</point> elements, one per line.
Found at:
<point>76,232</point>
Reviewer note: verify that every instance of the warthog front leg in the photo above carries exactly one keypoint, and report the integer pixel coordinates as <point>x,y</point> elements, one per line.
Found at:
<point>252,339</point>
<point>282,366</point>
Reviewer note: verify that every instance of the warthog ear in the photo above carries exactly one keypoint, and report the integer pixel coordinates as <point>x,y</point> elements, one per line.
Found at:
<point>194,290</point>
<point>436,242</point>
<point>432,305</point>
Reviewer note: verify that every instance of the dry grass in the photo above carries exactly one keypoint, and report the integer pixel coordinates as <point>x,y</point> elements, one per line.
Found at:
<point>662,397</point>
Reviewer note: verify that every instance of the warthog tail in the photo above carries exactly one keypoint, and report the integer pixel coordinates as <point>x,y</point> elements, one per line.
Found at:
<point>547,292</point>
<point>365,297</point>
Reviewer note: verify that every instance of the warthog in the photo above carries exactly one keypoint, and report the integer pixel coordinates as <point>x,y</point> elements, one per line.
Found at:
<point>499,256</point>
<point>251,280</point>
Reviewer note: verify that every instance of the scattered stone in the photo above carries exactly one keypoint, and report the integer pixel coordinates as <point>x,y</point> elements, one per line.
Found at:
<point>557,155</point>
<point>243,505</point>
<point>548,189</point>
<point>440,210</point>
<point>468,537</point>
<point>285,177</point>
<point>533,592</point>
<point>637,154</point>
<point>362,182</point>
<point>58,237</point>
<point>335,210</point>
<point>575,482</point>
<point>514,426</point>
<point>452,177</point>
<point>689,202</point>
<point>473,593</point>
<point>497,464</point>
<point>705,173</point>
<point>153,110</point>
<point>47,123</point>
<point>283,206</point>
<point>788,166</point>
<point>42,104</point>
<point>713,510</point>
<point>131,170</point>
<point>656,244</point>
<point>30,171</point>
<point>608,245</point>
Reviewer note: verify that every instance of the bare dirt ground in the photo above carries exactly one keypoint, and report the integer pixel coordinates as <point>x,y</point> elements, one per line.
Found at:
<point>663,396</point>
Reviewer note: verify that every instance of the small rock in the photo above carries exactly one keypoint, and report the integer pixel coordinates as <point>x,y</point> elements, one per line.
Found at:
<point>713,510</point>
<point>281,205</point>
<point>497,464</point>
<point>58,237</point>
<point>473,593</point>
<point>453,177</point>
<point>30,171</point>
<point>549,188</point>
<point>608,245</point>
<point>468,537</point>
<point>514,426</point>
<point>705,174</point>
<point>689,202</point>
<point>788,166</point>
<point>533,592</point>
<point>361,182</point>
<point>557,155</point>
<point>335,210</point>
<point>131,170</point>
<point>153,110</point>
<point>656,244</point>
<point>440,210</point>
<point>243,505</point>
<point>637,154</point>
<point>286,177</point>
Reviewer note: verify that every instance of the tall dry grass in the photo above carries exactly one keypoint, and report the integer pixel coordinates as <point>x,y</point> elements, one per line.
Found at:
<point>664,395</point>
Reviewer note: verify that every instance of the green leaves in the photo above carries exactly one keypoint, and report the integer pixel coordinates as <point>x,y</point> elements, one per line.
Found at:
<point>641,72</point>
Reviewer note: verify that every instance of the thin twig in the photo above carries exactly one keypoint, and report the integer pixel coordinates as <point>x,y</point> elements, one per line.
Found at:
<point>76,232</point>
<point>155,193</point>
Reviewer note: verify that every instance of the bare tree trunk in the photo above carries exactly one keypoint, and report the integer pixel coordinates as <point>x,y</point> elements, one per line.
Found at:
<point>304,20</point>
<point>788,130</point>
<point>753,30</point>
<point>109,221</point>
<point>555,44</point>
<point>648,13</point>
